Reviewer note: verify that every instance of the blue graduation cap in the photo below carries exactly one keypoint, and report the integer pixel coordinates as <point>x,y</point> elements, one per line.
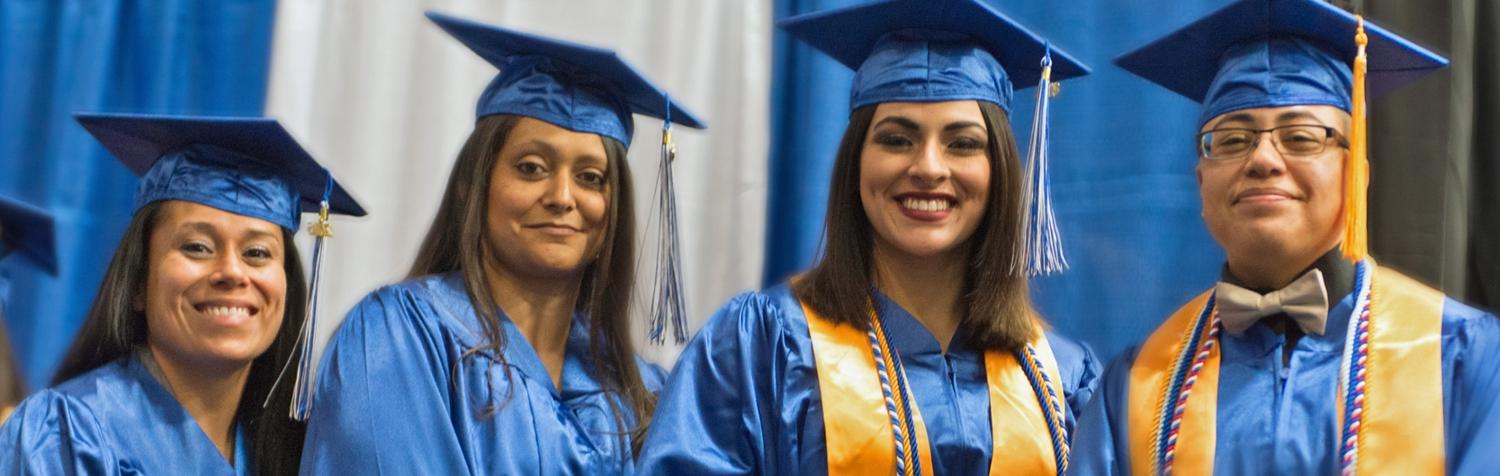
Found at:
<point>248,166</point>
<point>577,87</point>
<point>1272,53</point>
<point>28,230</point>
<point>931,51</point>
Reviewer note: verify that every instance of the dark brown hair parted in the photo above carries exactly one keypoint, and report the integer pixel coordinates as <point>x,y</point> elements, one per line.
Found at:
<point>114,329</point>
<point>456,242</point>
<point>996,306</point>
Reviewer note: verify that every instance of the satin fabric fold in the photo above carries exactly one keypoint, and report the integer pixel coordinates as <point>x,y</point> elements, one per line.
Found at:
<point>113,420</point>
<point>400,392</point>
<point>1403,412</point>
<point>744,397</point>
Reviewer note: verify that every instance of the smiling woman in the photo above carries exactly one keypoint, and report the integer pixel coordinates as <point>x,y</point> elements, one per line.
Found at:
<point>176,368</point>
<point>507,350</point>
<point>911,345</point>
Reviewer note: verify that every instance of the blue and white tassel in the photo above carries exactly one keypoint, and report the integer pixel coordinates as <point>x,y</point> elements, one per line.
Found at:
<point>668,303</point>
<point>302,390</point>
<point>1044,242</point>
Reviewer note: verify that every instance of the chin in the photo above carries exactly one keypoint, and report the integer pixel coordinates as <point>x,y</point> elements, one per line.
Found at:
<point>926,248</point>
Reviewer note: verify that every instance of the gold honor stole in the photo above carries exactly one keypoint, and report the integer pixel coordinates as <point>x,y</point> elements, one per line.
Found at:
<point>858,429</point>
<point>1401,430</point>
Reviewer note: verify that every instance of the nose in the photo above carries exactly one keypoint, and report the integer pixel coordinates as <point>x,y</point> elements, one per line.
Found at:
<point>927,165</point>
<point>559,195</point>
<point>230,273</point>
<point>1265,161</point>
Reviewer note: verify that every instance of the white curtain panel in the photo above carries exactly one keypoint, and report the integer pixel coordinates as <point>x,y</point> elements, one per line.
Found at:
<point>385,99</point>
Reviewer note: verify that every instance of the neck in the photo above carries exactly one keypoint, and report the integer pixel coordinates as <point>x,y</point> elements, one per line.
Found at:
<point>210,395</point>
<point>541,308</point>
<point>928,287</point>
<point>1270,270</point>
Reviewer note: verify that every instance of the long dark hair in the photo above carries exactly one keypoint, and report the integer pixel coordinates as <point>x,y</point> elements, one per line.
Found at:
<point>996,305</point>
<point>114,329</point>
<point>456,242</point>
<point>12,388</point>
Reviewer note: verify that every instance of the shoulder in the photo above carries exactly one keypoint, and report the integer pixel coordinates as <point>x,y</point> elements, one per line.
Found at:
<point>1068,350</point>
<point>653,376</point>
<point>425,305</point>
<point>56,421</point>
<point>1075,360</point>
<point>1464,320</point>
<point>771,313</point>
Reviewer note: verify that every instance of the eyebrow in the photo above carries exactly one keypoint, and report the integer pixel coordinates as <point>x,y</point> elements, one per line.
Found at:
<point>962,125</point>
<point>208,229</point>
<point>534,145</point>
<point>907,123</point>
<point>538,146</point>
<point>899,121</point>
<point>1236,117</point>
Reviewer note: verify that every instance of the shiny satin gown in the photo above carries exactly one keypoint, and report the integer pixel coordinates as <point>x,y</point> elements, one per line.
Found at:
<point>400,392</point>
<point>1280,420</point>
<point>116,419</point>
<point>744,399</point>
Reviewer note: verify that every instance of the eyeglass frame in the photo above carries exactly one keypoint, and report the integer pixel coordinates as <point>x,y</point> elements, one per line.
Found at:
<point>1343,141</point>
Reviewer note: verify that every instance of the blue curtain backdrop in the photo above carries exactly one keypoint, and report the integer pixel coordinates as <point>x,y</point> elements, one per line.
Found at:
<point>62,56</point>
<point>1122,163</point>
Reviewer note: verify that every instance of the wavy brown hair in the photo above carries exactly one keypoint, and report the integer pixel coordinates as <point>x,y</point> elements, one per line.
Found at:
<point>113,329</point>
<point>996,310</point>
<point>456,243</point>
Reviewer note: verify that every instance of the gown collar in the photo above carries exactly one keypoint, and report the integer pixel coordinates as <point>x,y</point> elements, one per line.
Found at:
<point>909,337</point>
<point>577,379</point>
<point>140,367</point>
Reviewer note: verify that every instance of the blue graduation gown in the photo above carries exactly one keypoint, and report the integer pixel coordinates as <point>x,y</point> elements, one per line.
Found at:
<point>116,419</point>
<point>1275,420</point>
<point>743,397</point>
<point>399,393</point>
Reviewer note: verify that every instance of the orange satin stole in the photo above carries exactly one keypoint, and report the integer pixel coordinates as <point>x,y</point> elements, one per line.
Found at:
<point>858,430</point>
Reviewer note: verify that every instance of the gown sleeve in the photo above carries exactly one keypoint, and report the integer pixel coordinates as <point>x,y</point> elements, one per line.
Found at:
<point>718,412</point>
<point>51,434</point>
<point>1474,424</point>
<point>1099,442</point>
<point>384,396</point>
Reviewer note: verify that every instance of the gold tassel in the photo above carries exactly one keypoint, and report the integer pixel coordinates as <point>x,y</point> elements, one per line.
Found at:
<point>1357,170</point>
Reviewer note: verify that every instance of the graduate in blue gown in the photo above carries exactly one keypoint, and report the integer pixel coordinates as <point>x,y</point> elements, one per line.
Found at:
<point>25,231</point>
<point>508,350</point>
<point>1302,330</point>
<point>176,367</point>
<point>914,328</point>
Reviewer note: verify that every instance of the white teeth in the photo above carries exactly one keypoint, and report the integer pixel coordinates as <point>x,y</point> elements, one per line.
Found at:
<point>925,205</point>
<point>227,311</point>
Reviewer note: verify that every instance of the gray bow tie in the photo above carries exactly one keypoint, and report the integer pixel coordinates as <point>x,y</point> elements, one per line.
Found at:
<point>1305,300</point>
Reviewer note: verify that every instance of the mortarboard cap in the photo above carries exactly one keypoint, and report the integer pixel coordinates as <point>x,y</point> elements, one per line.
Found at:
<point>1272,53</point>
<point>931,51</point>
<point>29,230</point>
<point>577,87</point>
<point>248,166</point>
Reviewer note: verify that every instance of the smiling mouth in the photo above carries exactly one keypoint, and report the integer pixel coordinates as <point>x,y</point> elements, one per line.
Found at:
<point>926,203</point>
<point>213,309</point>
<point>555,228</point>
<point>1263,195</point>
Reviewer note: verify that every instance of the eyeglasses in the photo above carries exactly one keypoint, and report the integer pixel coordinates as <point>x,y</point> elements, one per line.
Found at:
<point>1290,141</point>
